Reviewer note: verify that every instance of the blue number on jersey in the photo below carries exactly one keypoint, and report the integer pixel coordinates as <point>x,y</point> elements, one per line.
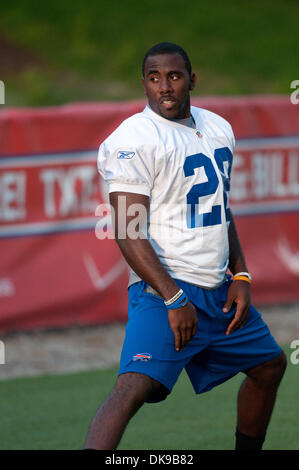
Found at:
<point>194,218</point>
<point>224,155</point>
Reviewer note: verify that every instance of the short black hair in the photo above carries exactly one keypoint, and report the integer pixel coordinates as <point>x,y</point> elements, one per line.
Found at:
<point>167,48</point>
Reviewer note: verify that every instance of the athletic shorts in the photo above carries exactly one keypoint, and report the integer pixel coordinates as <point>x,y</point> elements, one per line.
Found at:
<point>211,357</point>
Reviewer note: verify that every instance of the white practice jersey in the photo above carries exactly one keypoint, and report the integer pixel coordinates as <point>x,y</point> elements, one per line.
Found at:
<point>186,174</point>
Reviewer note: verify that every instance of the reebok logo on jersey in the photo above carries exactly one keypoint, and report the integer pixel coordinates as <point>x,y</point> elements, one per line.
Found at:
<point>144,357</point>
<point>124,154</point>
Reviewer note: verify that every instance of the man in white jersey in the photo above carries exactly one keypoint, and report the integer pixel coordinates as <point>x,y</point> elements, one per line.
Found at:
<point>171,165</point>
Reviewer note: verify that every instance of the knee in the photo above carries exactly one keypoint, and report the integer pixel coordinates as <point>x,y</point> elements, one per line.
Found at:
<point>270,373</point>
<point>134,389</point>
<point>279,367</point>
<point>130,388</point>
<point>275,369</point>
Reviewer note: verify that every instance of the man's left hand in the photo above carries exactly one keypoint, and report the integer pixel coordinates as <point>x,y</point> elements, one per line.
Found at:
<point>238,292</point>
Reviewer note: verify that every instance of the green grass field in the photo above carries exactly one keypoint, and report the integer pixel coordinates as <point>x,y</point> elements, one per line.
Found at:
<point>54,412</point>
<point>62,51</point>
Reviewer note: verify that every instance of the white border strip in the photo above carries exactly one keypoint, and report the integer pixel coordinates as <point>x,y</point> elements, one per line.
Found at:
<point>91,155</point>
<point>267,142</point>
<point>16,230</point>
<point>90,223</point>
<point>256,208</point>
<point>53,159</point>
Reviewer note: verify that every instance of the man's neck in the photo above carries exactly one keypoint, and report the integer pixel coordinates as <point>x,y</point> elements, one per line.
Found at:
<point>187,121</point>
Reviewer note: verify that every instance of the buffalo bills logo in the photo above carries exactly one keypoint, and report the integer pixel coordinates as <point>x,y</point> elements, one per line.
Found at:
<point>144,357</point>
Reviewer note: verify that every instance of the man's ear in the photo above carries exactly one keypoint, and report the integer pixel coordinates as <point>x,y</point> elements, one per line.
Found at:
<point>144,86</point>
<point>192,81</point>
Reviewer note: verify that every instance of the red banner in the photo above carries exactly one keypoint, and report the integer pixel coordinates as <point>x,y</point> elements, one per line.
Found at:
<point>54,271</point>
<point>265,200</point>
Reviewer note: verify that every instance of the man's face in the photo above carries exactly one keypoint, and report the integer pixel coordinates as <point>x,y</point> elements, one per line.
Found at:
<point>167,85</point>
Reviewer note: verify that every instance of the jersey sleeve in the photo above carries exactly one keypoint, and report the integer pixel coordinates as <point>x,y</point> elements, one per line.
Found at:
<point>127,168</point>
<point>228,135</point>
<point>232,140</point>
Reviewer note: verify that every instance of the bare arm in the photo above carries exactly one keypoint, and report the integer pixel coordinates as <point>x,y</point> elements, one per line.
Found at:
<point>138,252</point>
<point>239,291</point>
<point>237,261</point>
<point>142,258</point>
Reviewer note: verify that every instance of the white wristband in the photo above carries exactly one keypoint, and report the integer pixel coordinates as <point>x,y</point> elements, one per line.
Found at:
<point>243,274</point>
<point>174,298</point>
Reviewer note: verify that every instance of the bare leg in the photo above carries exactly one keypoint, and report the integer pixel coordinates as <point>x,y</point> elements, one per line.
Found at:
<point>109,423</point>
<point>257,396</point>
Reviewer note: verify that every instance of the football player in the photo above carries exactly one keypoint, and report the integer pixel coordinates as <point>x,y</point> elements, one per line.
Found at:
<point>172,163</point>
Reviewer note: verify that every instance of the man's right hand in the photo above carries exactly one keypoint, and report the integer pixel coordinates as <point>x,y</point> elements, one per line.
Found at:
<point>183,322</point>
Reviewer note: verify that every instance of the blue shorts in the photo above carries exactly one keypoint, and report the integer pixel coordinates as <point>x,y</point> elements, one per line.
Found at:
<point>211,357</point>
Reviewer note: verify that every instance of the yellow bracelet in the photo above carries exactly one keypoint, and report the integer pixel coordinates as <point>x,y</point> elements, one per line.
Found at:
<point>242,278</point>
